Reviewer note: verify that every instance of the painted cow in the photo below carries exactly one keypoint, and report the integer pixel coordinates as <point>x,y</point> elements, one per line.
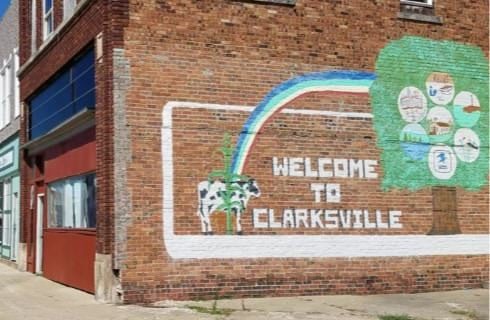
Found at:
<point>211,198</point>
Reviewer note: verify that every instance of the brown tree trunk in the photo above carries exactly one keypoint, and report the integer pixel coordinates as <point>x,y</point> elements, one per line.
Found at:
<point>444,211</point>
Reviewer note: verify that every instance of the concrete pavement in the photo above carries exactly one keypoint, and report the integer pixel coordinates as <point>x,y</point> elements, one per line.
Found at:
<point>29,297</point>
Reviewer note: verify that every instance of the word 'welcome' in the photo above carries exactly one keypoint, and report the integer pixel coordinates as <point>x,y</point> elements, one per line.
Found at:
<point>324,167</point>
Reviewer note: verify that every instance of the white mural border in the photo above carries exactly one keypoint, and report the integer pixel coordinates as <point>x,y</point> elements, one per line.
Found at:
<point>294,246</point>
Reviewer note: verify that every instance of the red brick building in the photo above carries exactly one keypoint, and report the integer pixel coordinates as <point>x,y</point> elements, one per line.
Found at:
<point>205,149</point>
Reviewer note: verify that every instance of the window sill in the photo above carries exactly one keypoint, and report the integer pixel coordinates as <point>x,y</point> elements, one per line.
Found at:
<point>88,231</point>
<point>418,13</point>
<point>420,17</point>
<point>278,2</point>
<point>4,126</point>
<point>415,3</point>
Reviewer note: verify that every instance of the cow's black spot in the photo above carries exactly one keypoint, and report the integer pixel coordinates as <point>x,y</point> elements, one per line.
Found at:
<point>241,196</point>
<point>241,183</point>
<point>212,197</point>
<point>203,193</point>
<point>252,187</point>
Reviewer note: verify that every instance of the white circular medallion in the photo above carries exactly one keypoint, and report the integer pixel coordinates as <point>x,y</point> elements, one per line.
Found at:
<point>466,109</point>
<point>440,88</point>
<point>412,104</point>
<point>440,124</point>
<point>466,145</point>
<point>442,162</point>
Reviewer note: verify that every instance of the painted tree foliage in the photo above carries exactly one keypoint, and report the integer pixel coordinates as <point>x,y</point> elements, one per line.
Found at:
<point>430,105</point>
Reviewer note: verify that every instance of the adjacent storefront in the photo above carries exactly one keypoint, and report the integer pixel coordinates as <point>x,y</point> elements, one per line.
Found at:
<point>61,156</point>
<point>9,198</point>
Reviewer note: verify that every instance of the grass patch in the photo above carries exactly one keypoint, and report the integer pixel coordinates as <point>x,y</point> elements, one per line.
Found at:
<point>214,310</point>
<point>395,317</point>
<point>470,314</point>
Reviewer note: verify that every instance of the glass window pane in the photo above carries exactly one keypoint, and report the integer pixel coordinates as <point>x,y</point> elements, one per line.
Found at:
<point>84,82</point>
<point>71,203</point>
<point>6,195</point>
<point>2,186</point>
<point>56,205</point>
<point>68,221</point>
<point>69,93</point>
<point>48,4</point>
<point>77,203</point>
<point>49,23</point>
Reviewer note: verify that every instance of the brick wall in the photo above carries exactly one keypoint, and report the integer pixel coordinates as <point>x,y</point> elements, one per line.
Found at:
<point>234,53</point>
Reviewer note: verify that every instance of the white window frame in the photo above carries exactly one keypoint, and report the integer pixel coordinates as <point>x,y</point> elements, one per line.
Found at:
<point>16,84</point>
<point>33,26</point>
<point>9,90</point>
<point>48,20</point>
<point>425,3</point>
<point>68,8</point>
<point>3,94</point>
<point>7,87</point>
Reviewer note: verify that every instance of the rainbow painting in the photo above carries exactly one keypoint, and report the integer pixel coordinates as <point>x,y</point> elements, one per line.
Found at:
<point>286,92</point>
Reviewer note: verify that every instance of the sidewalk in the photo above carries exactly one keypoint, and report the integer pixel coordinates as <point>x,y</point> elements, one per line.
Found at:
<point>24,296</point>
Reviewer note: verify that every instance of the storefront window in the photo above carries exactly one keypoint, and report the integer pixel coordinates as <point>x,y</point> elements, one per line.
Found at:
<point>5,217</point>
<point>70,92</point>
<point>71,203</point>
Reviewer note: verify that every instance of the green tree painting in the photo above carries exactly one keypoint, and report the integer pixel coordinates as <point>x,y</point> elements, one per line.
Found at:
<point>436,91</point>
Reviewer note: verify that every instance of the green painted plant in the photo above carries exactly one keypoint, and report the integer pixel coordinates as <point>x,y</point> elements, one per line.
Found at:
<point>230,180</point>
<point>430,106</point>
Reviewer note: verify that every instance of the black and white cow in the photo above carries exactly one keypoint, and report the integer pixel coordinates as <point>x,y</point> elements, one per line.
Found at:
<point>211,198</point>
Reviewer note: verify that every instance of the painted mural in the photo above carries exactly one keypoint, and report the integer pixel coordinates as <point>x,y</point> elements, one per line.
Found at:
<point>431,114</point>
<point>301,174</point>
